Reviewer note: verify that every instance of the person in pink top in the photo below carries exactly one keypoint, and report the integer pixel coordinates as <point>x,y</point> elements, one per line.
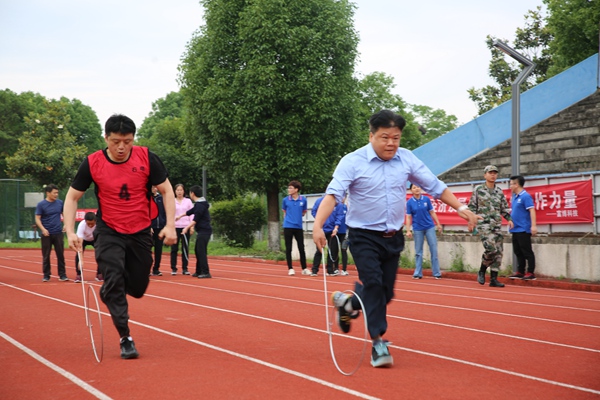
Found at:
<point>182,204</point>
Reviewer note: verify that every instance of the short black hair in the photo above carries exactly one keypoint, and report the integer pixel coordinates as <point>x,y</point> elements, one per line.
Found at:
<point>119,123</point>
<point>197,190</point>
<point>386,119</point>
<point>295,184</point>
<point>518,178</point>
<point>90,216</point>
<point>50,187</point>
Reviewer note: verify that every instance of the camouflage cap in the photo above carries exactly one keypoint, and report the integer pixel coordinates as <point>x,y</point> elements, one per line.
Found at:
<point>490,168</point>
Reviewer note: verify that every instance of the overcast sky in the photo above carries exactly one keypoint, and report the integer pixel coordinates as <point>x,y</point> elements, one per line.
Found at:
<point>121,56</point>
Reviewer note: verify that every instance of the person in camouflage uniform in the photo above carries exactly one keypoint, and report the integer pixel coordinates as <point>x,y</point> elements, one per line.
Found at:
<point>488,201</point>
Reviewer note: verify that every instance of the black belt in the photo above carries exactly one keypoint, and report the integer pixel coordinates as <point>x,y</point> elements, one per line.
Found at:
<point>388,234</point>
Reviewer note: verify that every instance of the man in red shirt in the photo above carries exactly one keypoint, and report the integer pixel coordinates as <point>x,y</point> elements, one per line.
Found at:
<point>123,175</point>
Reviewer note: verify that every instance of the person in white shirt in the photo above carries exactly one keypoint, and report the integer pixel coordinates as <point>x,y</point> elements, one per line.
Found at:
<point>182,205</point>
<point>85,231</point>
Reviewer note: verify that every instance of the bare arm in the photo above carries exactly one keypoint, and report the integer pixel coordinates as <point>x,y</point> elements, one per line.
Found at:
<point>533,221</point>
<point>168,233</point>
<point>436,220</point>
<point>69,210</point>
<point>449,198</point>
<point>409,226</point>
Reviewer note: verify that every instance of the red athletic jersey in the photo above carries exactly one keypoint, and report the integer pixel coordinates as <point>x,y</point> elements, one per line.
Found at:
<point>123,190</point>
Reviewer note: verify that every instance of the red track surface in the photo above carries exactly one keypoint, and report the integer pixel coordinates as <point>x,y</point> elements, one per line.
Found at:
<point>253,332</point>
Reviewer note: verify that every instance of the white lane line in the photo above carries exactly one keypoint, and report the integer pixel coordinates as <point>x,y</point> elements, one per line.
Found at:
<point>452,359</point>
<point>79,382</point>
<point>210,346</point>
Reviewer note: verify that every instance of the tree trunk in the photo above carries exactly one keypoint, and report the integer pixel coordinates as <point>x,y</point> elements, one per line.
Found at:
<point>274,241</point>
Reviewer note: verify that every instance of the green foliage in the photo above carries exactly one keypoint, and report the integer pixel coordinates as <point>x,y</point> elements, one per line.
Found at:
<point>238,220</point>
<point>574,26</point>
<point>270,91</point>
<point>423,123</point>
<point>47,151</point>
<point>84,125</point>
<point>82,122</point>
<point>457,264</point>
<point>433,123</point>
<point>555,41</point>
<point>164,109</point>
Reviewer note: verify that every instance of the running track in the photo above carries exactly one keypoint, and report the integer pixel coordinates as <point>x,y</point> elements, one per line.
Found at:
<point>252,332</point>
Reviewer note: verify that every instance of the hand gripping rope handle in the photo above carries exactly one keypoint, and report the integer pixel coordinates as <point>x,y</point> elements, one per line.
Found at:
<point>98,352</point>
<point>329,324</point>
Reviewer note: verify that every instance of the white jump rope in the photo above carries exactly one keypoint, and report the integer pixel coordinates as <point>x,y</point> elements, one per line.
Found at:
<point>98,348</point>
<point>330,323</point>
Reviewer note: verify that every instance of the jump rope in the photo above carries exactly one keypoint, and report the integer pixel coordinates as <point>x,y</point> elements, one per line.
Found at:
<point>330,322</point>
<point>88,291</point>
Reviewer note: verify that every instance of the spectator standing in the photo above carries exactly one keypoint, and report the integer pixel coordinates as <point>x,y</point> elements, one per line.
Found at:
<point>488,201</point>
<point>48,214</point>
<point>201,223</point>
<point>524,220</point>
<point>375,177</point>
<point>158,224</point>
<point>422,218</point>
<point>294,208</point>
<point>85,232</point>
<point>182,205</point>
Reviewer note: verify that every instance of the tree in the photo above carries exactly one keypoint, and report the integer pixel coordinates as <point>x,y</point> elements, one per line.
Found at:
<point>271,95</point>
<point>84,124</point>
<point>13,109</point>
<point>574,27</point>
<point>433,123</point>
<point>423,123</point>
<point>163,132</point>
<point>47,152</point>
<point>555,40</point>
<point>169,107</point>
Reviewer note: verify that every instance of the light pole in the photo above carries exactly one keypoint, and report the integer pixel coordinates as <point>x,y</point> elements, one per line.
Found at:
<point>515,145</point>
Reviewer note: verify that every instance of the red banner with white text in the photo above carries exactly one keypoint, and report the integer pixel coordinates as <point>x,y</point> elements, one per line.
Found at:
<point>558,203</point>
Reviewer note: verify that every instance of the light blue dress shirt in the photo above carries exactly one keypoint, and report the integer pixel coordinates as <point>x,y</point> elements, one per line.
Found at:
<point>377,188</point>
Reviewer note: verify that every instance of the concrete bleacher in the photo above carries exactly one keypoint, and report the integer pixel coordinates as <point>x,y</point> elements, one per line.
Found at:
<point>552,112</point>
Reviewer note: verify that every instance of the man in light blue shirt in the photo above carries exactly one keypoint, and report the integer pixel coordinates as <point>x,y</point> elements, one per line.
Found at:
<point>376,177</point>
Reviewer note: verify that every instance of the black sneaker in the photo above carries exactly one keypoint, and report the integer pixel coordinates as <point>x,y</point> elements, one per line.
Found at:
<point>195,275</point>
<point>157,273</point>
<point>128,350</point>
<point>343,317</point>
<point>204,276</point>
<point>517,275</point>
<point>529,277</point>
<point>185,272</point>
<point>380,355</point>
<point>63,278</point>
<point>45,279</point>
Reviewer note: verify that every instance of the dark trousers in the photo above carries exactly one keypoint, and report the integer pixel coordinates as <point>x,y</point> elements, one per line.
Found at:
<point>57,241</point>
<point>331,253</point>
<point>376,260</point>
<point>83,245</point>
<point>158,249</point>
<point>521,242</point>
<point>202,240</point>
<point>185,255</point>
<point>288,235</point>
<point>125,261</point>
